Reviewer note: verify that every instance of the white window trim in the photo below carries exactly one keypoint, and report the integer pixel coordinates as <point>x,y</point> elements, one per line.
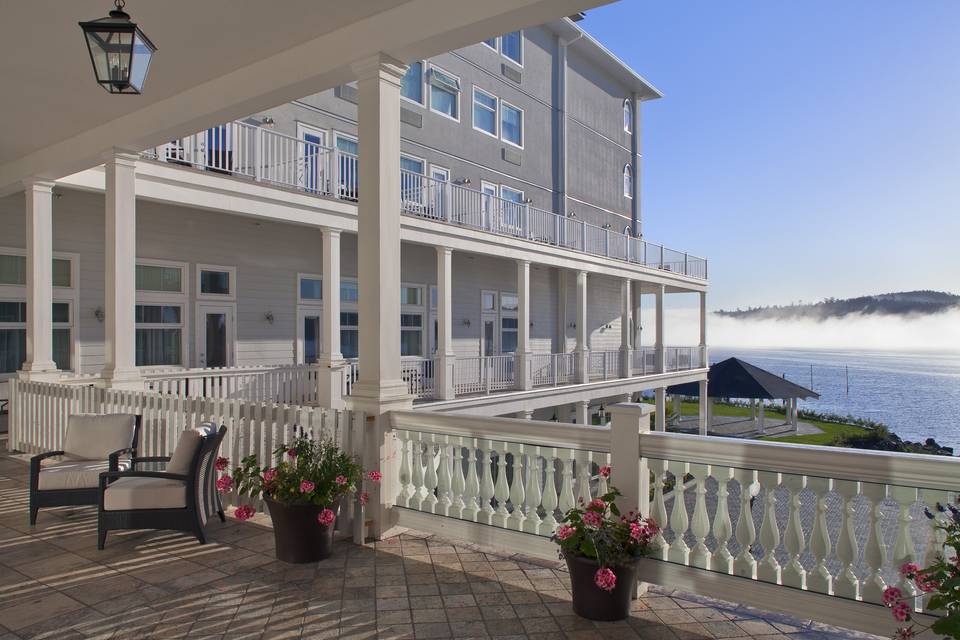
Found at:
<point>459,94</point>
<point>201,308</point>
<point>232,296</point>
<point>303,127</point>
<point>627,171</point>
<point>162,296</point>
<point>309,301</point>
<point>496,113</point>
<point>423,161</point>
<point>509,188</point>
<point>522,49</point>
<point>421,310</point>
<point>523,124</point>
<point>184,327</point>
<point>495,46</point>
<point>14,298</point>
<point>352,137</point>
<point>628,124</point>
<point>506,313</point>
<point>423,86</point>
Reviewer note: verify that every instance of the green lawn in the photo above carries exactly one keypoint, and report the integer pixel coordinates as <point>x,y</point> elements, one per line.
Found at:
<point>830,429</point>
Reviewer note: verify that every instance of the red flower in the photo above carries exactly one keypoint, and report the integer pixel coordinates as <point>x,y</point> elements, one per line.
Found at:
<point>326,517</point>
<point>221,464</point>
<point>891,595</point>
<point>902,611</point>
<point>224,484</point>
<point>341,480</point>
<point>269,475</point>
<point>565,532</point>
<point>592,519</point>
<point>597,505</point>
<point>244,512</point>
<point>605,579</point>
<point>375,476</point>
<point>605,471</point>
<point>291,453</point>
<point>364,498</point>
<point>306,486</point>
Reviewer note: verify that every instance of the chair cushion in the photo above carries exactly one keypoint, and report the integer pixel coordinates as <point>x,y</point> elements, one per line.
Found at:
<point>184,452</point>
<point>74,474</point>
<point>96,436</point>
<point>144,493</point>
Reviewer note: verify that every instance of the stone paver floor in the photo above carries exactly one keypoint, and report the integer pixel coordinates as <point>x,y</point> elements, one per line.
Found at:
<point>55,584</point>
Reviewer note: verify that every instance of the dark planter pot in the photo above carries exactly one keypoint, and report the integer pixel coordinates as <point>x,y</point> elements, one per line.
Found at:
<point>298,536</point>
<point>592,602</point>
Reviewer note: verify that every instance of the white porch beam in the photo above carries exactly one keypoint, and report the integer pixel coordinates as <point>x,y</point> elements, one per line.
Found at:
<point>445,354</point>
<point>39,364</point>
<point>120,264</point>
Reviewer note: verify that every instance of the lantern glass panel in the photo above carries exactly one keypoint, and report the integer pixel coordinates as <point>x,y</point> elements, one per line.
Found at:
<point>142,53</point>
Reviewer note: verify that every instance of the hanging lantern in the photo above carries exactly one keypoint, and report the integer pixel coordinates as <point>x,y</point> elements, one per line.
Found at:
<point>119,50</point>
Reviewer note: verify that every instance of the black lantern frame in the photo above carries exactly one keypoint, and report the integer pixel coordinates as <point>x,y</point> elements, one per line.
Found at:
<point>120,51</point>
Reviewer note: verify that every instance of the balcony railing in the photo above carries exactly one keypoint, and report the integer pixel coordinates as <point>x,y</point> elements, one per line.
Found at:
<point>250,151</point>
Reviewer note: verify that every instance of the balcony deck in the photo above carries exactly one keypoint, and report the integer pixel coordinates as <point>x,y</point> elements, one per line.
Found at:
<point>55,584</point>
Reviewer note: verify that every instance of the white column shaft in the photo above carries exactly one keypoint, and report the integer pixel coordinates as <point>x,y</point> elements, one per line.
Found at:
<point>626,309</point>
<point>445,355</point>
<point>661,409</point>
<point>703,329</point>
<point>703,408</point>
<point>524,373</point>
<point>583,349</point>
<point>331,297</point>
<point>583,412</point>
<point>39,227</point>
<point>661,360</point>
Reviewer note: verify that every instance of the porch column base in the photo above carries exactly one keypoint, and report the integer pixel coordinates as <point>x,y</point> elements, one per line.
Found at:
<point>445,389</point>
<point>39,371</point>
<point>330,385</point>
<point>583,412</point>
<point>524,378</point>
<point>126,380</point>
<point>626,362</point>
<point>583,365</point>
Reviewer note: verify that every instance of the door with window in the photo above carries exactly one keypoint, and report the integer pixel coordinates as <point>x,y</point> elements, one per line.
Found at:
<point>312,176</point>
<point>219,149</point>
<point>511,215</point>
<point>348,168</point>
<point>215,335</point>
<point>488,204</point>
<point>309,345</point>
<point>439,177</point>
<point>489,319</point>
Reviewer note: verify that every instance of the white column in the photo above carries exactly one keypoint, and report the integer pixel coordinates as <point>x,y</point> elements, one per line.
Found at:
<point>704,360</point>
<point>332,365</point>
<point>445,355</point>
<point>583,412</point>
<point>381,387</point>
<point>39,364</point>
<point>703,405</point>
<point>561,311</point>
<point>120,370</point>
<point>637,327</point>
<point>626,309</point>
<point>761,420</point>
<point>526,414</point>
<point>583,349</point>
<point>661,408</point>
<point>630,472</point>
<point>524,379</point>
<point>661,360</point>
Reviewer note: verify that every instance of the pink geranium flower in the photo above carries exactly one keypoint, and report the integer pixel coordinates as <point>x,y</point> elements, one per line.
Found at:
<point>891,595</point>
<point>224,484</point>
<point>565,532</point>
<point>597,505</point>
<point>291,453</point>
<point>902,611</point>
<point>221,464</point>
<point>375,476</point>
<point>637,532</point>
<point>605,471</point>
<point>364,498</point>
<point>306,486</point>
<point>909,569</point>
<point>269,475</point>
<point>605,579</point>
<point>326,517</point>
<point>341,480</point>
<point>244,512</point>
<point>592,519</point>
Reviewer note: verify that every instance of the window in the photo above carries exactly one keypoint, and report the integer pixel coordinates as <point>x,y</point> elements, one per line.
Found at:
<point>350,334</point>
<point>216,282</point>
<point>492,43</point>
<point>627,181</point>
<point>13,335</point>
<point>411,334</point>
<point>62,342</point>
<point>411,295</point>
<point>159,278</point>
<point>511,124</point>
<point>411,85</point>
<point>511,207</point>
<point>484,112</point>
<point>488,301</point>
<point>348,291</point>
<point>348,168</point>
<point>511,46</point>
<point>508,335</point>
<point>627,116</point>
<point>311,288</point>
<point>411,179</point>
<point>509,302</point>
<point>444,94</point>
<point>13,271</point>
<point>159,335</point>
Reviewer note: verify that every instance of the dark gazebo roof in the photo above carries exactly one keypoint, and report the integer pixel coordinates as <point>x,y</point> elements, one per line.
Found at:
<point>734,378</point>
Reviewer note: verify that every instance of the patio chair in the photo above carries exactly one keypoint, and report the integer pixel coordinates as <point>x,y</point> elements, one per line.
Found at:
<point>181,497</point>
<point>93,443</point>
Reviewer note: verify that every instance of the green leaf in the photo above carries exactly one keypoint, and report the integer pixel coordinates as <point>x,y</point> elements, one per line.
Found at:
<point>588,548</point>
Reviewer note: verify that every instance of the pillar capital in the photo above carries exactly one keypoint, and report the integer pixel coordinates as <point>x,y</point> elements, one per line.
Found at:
<point>121,156</point>
<point>38,185</point>
<point>380,66</point>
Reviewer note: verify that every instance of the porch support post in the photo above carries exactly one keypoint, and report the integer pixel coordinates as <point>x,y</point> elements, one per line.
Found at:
<point>583,350</point>
<point>704,403</point>
<point>626,309</point>
<point>332,365</point>
<point>637,327</point>
<point>630,471</point>
<point>120,370</point>
<point>704,360</point>
<point>39,364</point>
<point>445,356</point>
<point>761,419</point>
<point>524,378</point>
<point>661,408</point>
<point>381,387</point>
<point>661,360</point>
<point>583,412</point>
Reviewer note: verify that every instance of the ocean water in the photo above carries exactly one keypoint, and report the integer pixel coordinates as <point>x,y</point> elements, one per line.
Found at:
<point>917,395</point>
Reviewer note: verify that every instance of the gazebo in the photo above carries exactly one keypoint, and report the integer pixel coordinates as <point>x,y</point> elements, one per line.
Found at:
<point>734,378</point>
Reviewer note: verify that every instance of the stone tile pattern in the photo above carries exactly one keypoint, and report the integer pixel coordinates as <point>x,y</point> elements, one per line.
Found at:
<point>55,584</point>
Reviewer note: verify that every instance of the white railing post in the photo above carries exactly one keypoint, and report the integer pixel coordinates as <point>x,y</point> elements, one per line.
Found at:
<point>447,200</point>
<point>630,469</point>
<point>335,174</point>
<point>258,155</point>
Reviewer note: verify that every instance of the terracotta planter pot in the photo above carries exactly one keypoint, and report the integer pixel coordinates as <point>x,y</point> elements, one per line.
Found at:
<point>592,602</point>
<point>298,536</point>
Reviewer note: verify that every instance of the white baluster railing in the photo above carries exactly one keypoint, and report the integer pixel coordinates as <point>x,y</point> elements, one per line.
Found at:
<point>419,374</point>
<point>604,365</point>
<point>289,384</point>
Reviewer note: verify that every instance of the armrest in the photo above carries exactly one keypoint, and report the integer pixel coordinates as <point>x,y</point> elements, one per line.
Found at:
<point>116,475</point>
<point>138,459</point>
<point>114,458</point>
<point>35,460</point>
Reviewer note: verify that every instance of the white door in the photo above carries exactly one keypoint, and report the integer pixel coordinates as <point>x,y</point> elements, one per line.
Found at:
<point>439,176</point>
<point>215,335</point>
<point>489,202</point>
<point>312,176</point>
<point>309,345</point>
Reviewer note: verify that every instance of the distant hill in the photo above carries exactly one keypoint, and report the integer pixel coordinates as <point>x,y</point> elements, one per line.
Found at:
<point>899,304</point>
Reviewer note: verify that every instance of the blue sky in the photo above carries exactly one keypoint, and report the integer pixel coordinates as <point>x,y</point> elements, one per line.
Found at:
<point>809,149</point>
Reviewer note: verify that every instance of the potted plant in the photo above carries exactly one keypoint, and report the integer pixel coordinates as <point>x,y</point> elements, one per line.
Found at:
<point>940,582</point>
<point>603,549</point>
<point>303,491</point>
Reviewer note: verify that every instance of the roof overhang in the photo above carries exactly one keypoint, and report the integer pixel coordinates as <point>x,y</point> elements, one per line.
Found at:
<point>217,60</point>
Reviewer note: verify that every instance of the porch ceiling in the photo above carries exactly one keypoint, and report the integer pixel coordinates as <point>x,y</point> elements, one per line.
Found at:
<point>217,60</point>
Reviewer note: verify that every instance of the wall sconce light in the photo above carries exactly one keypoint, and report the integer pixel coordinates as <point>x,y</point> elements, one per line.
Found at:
<point>267,122</point>
<point>608,326</point>
<point>528,201</point>
<point>99,314</point>
<point>606,226</point>
<point>462,181</point>
<point>531,323</point>
<point>573,214</point>
<point>268,316</point>
<point>572,325</point>
<point>466,322</point>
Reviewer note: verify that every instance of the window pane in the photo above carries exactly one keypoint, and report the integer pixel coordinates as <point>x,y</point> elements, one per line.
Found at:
<point>485,112</point>
<point>489,302</point>
<point>509,302</point>
<point>350,343</point>
<point>217,282</point>
<point>346,144</point>
<point>508,342</point>
<point>61,348</point>
<point>157,314</point>
<point>411,295</point>
<point>13,349</point>
<point>349,292</point>
<point>61,312</point>
<point>511,124</point>
<point>510,46</point>
<point>443,101</point>
<point>492,43</point>
<point>411,165</point>
<point>411,86</point>
<point>411,343</point>
<point>512,195</point>
<point>434,296</point>
<point>156,278</point>
<point>349,319</point>
<point>627,116</point>
<point>411,320</point>
<point>61,273</point>
<point>311,339</point>
<point>13,270</point>
<point>158,347</point>
<point>311,289</point>
<point>13,311</point>
<point>509,323</point>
